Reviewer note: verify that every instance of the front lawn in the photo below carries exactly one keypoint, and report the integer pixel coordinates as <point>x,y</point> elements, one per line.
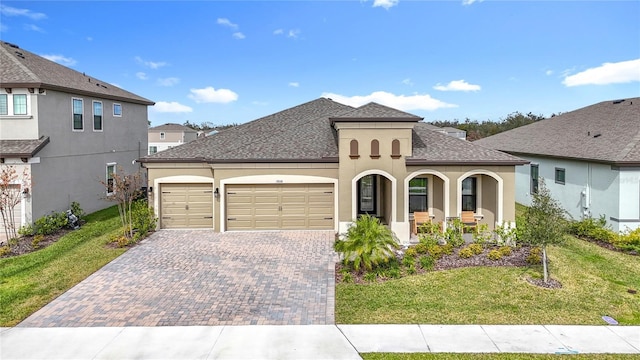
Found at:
<point>30,281</point>
<point>595,282</point>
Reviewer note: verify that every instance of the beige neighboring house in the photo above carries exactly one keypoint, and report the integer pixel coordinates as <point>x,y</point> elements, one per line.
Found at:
<point>67,130</point>
<point>320,165</point>
<point>166,136</point>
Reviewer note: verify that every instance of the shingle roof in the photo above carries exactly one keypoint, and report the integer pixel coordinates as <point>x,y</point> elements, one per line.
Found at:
<point>607,132</point>
<point>172,127</point>
<point>304,134</point>
<point>21,68</point>
<point>22,148</point>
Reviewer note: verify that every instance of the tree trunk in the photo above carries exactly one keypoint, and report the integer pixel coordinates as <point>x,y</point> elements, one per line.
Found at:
<point>544,264</point>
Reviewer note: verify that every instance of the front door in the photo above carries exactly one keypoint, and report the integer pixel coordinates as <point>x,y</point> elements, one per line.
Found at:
<point>367,190</point>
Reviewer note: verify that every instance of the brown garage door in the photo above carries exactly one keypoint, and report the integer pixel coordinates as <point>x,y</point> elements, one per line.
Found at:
<point>275,207</point>
<point>186,206</point>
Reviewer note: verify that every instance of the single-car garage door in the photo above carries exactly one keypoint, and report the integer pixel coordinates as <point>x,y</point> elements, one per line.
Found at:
<point>280,206</point>
<point>186,206</point>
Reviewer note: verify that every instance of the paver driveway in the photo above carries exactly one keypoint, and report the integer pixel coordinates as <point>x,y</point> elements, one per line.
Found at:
<point>196,277</point>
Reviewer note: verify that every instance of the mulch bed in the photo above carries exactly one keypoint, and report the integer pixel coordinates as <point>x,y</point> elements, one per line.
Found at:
<point>24,244</point>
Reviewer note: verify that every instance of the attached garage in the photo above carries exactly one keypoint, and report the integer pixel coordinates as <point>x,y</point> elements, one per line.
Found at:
<point>280,207</point>
<point>186,206</point>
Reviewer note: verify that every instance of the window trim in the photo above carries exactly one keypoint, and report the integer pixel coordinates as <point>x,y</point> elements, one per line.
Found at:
<point>26,104</point>
<point>534,189</point>
<point>73,115</point>
<point>114,165</point>
<point>117,105</point>
<point>562,171</point>
<point>93,110</point>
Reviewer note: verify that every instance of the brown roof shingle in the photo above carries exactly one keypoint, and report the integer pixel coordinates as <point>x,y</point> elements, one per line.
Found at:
<point>22,148</point>
<point>607,132</point>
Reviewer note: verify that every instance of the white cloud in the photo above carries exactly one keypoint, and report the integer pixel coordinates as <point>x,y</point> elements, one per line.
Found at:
<point>457,85</point>
<point>385,3</point>
<point>607,73</point>
<point>407,81</point>
<point>60,59</point>
<point>170,81</point>
<point>142,76</point>
<point>31,27</point>
<point>294,84</point>
<point>150,64</point>
<point>293,33</point>
<point>171,107</point>
<point>402,102</point>
<point>549,72</point>
<point>278,32</point>
<point>227,22</point>
<point>211,95</point>
<point>11,11</point>
<point>238,35</point>
<point>470,2</point>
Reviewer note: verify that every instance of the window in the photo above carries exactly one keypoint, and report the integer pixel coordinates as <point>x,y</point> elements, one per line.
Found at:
<point>161,136</point>
<point>4,106</point>
<point>111,170</point>
<point>97,116</point>
<point>353,149</point>
<point>395,149</point>
<point>469,194</point>
<point>418,195</point>
<point>560,175</point>
<point>375,149</point>
<point>117,110</point>
<point>153,149</point>
<point>77,115</point>
<point>19,104</point>
<point>534,179</point>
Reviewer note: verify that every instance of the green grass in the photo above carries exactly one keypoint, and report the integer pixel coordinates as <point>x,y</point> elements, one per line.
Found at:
<point>438,356</point>
<point>595,283</point>
<point>30,281</point>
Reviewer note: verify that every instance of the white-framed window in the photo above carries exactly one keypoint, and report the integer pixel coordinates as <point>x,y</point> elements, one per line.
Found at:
<point>4,105</point>
<point>111,171</point>
<point>117,110</point>
<point>78,110</point>
<point>97,116</point>
<point>161,136</point>
<point>153,150</point>
<point>19,104</point>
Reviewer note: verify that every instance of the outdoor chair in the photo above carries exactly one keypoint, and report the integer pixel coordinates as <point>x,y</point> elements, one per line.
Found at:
<point>419,218</point>
<point>469,220</point>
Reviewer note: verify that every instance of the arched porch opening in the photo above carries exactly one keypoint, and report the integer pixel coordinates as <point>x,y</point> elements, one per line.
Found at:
<point>374,194</point>
<point>427,191</point>
<point>481,191</point>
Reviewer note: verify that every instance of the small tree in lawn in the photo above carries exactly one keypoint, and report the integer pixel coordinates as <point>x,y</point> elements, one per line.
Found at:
<point>10,196</point>
<point>545,223</point>
<point>123,189</point>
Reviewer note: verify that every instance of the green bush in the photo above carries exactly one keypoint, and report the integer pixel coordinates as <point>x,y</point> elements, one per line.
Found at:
<point>368,243</point>
<point>435,251</point>
<point>5,250</point>
<point>628,241</point>
<point>26,230</point>
<point>347,278</point>
<point>35,242</point>
<point>505,250</point>
<point>593,229</point>
<point>142,219</point>
<point>494,255</point>
<point>421,248</point>
<point>408,261</point>
<point>370,277</point>
<point>535,256</point>
<point>453,235</point>
<point>476,249</point>
<point>447,249</point>
<point>411,252</point>
<point>465,253</point>
<point>427,262</point>
<point>411,270</point>
<point>77,210</point>
<point>50,224</point>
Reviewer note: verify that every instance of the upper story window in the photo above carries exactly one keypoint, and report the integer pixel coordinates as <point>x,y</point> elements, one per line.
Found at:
<point>153,150</point>
<point>162,136</point>
<point>395,149</point>
<point>469,194</point>
<point>117,110</point>
<point>353,149</point>
<point>78,123</point>
<point>560,176</point>
<point>97,116</point>
<point>375,149</point>
<point>4,106</point>
<point>19,104</point>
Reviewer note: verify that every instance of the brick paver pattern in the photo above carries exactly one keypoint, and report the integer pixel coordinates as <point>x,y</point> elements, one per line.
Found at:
<point>198,277</point>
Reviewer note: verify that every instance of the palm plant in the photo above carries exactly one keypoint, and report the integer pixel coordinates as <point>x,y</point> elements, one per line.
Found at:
<point>368,243</point>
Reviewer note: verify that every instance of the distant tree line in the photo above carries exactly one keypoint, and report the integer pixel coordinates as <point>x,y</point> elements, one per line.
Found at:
<point>478,130</point>
<point>208,126</point>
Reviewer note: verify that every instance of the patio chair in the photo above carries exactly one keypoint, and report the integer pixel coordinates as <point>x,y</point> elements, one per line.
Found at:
<point>469,220</point>
<point>419,218</point>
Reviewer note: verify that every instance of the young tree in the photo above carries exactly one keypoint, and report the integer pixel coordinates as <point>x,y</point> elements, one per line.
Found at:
<point>10,196</point>
<point>545,223</point>
<point>124,189</point>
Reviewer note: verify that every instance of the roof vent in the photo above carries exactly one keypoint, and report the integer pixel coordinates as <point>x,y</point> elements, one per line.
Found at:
<point>19,54</point>
<point>12,45</point>
<point>597,135</point>
<point>618,101</point>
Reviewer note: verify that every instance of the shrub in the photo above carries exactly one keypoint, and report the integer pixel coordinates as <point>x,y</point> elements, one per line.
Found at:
<point>370,277</point>
<point>408,261</point>
<point>26,230</point>
<point>476,249</point>
<point>447,249</point>
<point>453,235</point>
<point>77,210</point>
<point>593,229</point>
<point>506,235</point>
<point>411,270</point>
<point>435,251</point>
<point>535,256</point>
<point>494,255</point>
<point>505,250</point>
<point>421,248</point>
<point>5,250</point>
<point>368,243</point>
<point>35,242</point>
<point>465,253</point>
<point>427,262</point>
<point>122,241</point>
<point>142,219</point>
<point>628,241</point>
<point>394,273</point>
<point>347,278</point>
<point>411,252</point>
<point>482,235</point>
<point>50,224</point>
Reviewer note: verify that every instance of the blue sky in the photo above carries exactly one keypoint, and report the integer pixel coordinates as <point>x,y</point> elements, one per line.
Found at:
<point>234,61</point>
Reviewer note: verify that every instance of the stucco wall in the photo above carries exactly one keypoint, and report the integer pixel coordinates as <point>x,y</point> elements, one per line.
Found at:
<point>629,214</point>
<point>20,127</point>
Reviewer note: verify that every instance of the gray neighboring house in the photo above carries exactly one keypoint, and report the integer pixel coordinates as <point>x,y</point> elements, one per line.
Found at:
<point>169,135</point>
<point>67,130</point>
<point>589,158</point>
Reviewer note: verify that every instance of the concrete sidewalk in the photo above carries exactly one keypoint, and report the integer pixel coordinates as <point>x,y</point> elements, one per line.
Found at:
<point>309,341</point>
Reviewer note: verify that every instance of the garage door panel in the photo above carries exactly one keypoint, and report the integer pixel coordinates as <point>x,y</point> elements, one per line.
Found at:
<point>186,206</point>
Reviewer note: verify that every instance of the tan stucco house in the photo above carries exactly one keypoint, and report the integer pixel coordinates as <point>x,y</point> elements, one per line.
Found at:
<point>169,135</point>
<point>320,164</point>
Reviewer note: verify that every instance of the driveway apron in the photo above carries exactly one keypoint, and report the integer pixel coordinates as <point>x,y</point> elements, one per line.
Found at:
<point>199,277</point>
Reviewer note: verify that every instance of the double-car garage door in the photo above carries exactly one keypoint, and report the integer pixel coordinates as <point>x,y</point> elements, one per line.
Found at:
<point>250,207</point>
